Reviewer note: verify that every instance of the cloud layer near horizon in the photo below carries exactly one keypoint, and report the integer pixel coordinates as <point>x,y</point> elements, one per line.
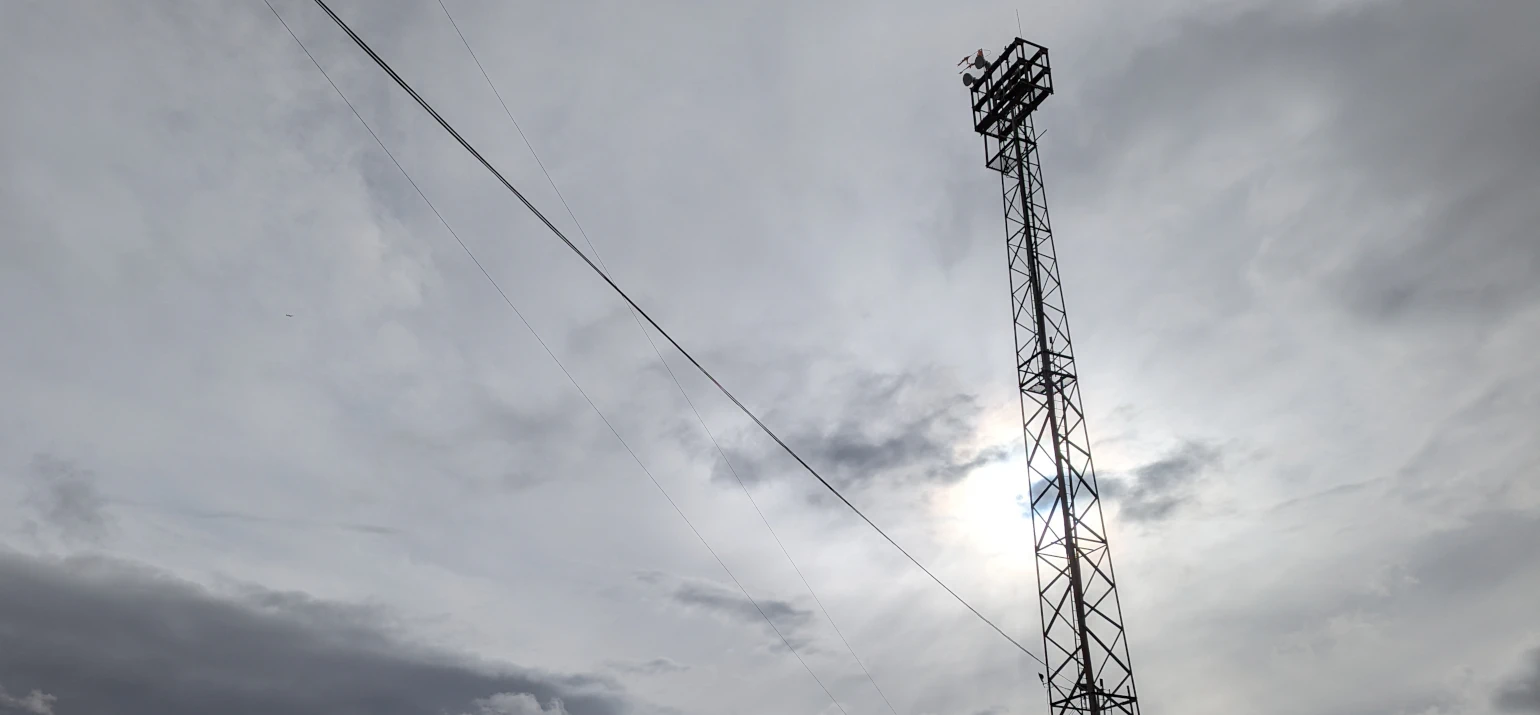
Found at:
<point>113,637</point>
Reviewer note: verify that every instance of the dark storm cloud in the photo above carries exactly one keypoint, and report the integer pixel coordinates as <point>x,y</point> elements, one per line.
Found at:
<point>66,499</point>
<point>1154,491</point>
<point>1522,694</point>
<point>879,428</point>
<point>1425,163</point>
<point>111,637</point>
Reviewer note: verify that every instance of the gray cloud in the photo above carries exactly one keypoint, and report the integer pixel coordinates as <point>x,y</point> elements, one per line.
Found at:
<point>1425,596</point>
<point>729,604</point>
<point>1522,693</point>
<point>1441,567</point>
<point>1248,202</point>
<point>517,704</point>
<point>1401,189</point>
<point>236,515</point>
<point>656,666</point>
<point>106,636</point>
<point>1467,153</point>
<point>1324,495</point>
<point>877,428</point>
<point>720,600</point>
<point>1154,491</point>
<point>36,702</point>
<point>69,503</point>
<point>501,437</point>
<point>67,500</point>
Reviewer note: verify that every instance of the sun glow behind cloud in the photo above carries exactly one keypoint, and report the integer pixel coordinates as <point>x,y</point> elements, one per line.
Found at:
<point>987,512</point>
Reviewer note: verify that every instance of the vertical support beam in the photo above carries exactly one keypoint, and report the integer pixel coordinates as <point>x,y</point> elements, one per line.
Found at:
<point>1083,638</point>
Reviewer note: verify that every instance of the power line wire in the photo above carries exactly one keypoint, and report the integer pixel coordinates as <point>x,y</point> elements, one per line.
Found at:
<point>645,316</point>
<point>670,370</point>
<point>557,360</point>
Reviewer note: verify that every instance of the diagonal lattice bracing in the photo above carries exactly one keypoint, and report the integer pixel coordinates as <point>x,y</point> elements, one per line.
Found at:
<point>1088,669</point>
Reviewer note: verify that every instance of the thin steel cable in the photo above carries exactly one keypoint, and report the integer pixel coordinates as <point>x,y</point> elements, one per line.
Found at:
<point>443,123</point>
<point>555,359</point>
<point>656,350</point>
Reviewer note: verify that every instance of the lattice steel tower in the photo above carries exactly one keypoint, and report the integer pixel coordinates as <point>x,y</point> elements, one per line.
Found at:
<point>1083,640</point>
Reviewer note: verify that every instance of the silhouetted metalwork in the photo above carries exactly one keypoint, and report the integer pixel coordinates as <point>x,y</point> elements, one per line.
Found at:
<point>1083,638</point>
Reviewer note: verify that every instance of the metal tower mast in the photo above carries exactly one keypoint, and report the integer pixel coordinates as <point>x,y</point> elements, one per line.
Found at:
<point>1083,640</point>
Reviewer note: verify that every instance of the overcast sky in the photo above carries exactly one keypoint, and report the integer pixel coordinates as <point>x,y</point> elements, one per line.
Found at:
<point>270,442</point>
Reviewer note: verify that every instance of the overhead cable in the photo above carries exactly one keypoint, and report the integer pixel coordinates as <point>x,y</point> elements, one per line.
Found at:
<point>385,66</point>
<point>666,367</point>
<point>554,358</point>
